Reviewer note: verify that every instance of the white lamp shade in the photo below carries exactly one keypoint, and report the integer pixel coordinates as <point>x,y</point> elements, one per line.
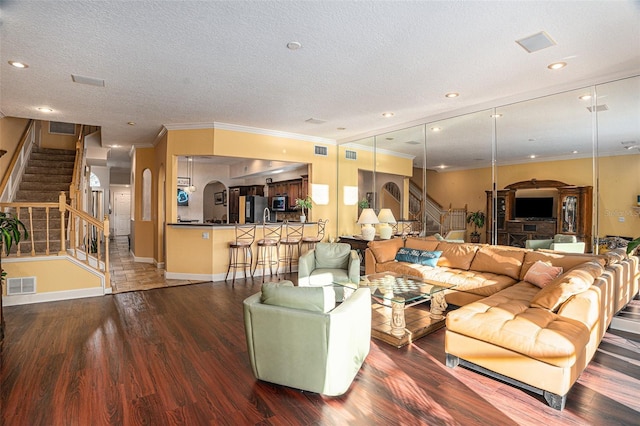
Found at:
<point>367,218</point>
<point>386,216</point>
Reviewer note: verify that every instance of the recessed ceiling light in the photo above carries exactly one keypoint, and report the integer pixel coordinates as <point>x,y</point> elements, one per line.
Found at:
<point>584,97</point>
<point>131,123</point>
<point>557,65</point>
<point>532,156</point>
<point>115,146</point>
<point>442,166</point>
<point>294,45</point>
<point>495,115</point>
<point>574,152</point>
<point>341,128</point>
<point>387,114</point>
<point>532,139</point>
<point>436,129</point>
<point>452,95</point>
<point>18,64</point>
<point>44,109</point>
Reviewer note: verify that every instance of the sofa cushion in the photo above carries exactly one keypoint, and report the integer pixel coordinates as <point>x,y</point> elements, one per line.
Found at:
<point>456,255</point>
<point>421,257</point>
<point>499,260</point>
<point>316,299</point>
<point>507,320</point>
<point>562,288</point>
<point>542,273</point>
<point>385,250</point>
<point>477,283</point>
<point>565,260</point>
<point>422,243</point>
<point>332,255</point>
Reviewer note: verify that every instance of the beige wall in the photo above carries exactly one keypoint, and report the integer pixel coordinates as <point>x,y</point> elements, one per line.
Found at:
<point>143,231</point>
<point>11,130</point>
<point>48,140</point>
<point>53,274</point>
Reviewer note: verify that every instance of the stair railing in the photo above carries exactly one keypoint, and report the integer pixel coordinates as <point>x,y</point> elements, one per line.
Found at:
<point>13,173</point>
<point>88,237</point>
<point>76,180</point>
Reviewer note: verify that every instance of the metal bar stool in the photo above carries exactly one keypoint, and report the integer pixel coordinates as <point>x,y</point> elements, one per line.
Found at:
<point>270,240</point>
<point>291,242</point>
<point>240,254</point>
<point>311,241</point>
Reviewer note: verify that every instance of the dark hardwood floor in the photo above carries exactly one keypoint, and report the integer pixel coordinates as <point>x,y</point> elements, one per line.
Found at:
<point>178,356</point>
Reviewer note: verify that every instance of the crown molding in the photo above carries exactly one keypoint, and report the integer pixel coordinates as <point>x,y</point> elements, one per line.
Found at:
<point>252,130</point>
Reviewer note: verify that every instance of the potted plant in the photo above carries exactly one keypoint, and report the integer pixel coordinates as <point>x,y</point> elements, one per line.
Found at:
<point>633,245</point>
<point>477,218</point>
<point>302,204</point>
<point>11,231</point>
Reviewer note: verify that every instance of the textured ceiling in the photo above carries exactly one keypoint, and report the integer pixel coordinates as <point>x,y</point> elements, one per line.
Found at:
<point>172,62</point>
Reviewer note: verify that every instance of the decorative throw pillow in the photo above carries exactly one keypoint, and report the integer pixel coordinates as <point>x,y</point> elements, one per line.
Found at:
<point>421,257</point>
<point>542,273</point>
<point>562,288</point>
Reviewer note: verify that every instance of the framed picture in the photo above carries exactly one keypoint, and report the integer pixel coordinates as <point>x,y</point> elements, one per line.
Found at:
<point>184,181</point>
<point>219,197</point>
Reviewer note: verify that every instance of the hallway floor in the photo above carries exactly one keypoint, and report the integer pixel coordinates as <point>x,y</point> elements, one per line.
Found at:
<point>128,275</point>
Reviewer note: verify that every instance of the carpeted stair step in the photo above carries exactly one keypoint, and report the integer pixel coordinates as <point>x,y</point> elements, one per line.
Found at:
<point>37,196</point>
<point>58,155</point>
<point>51,163</point>
<point>48,170</point>
<point>44,186</point>
<point>61,178</point>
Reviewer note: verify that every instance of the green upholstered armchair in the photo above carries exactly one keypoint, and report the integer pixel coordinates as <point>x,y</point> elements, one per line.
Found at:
<point>327,263</point>
<point>295,338</point>
<point>560,242</point>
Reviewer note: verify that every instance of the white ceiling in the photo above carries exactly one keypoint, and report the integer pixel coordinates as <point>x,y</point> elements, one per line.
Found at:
<point>173,62</point>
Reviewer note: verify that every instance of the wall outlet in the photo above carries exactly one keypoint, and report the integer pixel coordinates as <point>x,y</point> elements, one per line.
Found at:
<point>621,219</point>
<point>205,235</point>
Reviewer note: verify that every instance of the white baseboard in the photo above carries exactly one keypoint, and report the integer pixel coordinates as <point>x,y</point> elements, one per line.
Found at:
<point>219,277</point>
<point>52,296</point>
<point>143,259</point>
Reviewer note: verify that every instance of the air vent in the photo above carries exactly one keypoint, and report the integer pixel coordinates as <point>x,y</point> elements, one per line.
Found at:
<point>351,155</point>
<point>321,150</point>
<point>598,108</point>
<point>536,42</point>
<point>59,128</point>
<point>24,285</point>
<point>315,121</point>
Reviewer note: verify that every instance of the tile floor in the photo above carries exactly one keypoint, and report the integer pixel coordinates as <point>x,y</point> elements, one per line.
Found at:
<point>127,275</point>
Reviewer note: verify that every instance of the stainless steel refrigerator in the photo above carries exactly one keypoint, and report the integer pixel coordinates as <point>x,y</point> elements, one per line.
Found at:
<point>254,208</point>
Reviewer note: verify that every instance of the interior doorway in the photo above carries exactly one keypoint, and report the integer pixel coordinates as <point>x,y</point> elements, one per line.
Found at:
<point>121,214</point>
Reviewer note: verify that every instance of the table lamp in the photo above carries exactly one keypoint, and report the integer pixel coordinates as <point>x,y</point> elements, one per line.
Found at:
<point>367,219</point>
<point>385,217</point>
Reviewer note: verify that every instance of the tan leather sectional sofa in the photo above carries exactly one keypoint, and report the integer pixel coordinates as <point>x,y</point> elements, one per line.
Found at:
<point>539,339</point>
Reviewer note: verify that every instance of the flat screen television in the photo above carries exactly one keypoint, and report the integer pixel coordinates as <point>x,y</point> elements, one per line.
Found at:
<point>536,208</point>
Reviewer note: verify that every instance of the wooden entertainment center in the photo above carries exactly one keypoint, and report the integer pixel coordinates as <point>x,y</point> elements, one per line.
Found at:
<point>572,216</point>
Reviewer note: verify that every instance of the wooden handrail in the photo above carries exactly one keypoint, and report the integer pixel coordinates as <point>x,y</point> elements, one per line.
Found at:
<point>74,187</point>
<point>16,154</point>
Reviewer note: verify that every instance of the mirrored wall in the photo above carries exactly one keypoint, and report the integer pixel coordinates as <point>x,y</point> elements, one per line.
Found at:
<point>566,163</point>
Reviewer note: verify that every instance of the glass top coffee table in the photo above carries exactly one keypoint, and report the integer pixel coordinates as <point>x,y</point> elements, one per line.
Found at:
<point>392,295</point>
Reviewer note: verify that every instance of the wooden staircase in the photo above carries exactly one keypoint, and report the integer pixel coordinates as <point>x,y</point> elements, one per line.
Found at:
<point>47,173</point>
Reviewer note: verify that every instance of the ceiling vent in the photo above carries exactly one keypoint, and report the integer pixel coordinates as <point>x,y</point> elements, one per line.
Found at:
<point>536,42</point>
<point>598,108</point>
<point>91,81</point>
<point>59,128</point>
<point>321,151</point>
<point>351,155</point>
<point>23,285</point>
<point>315,121</point>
